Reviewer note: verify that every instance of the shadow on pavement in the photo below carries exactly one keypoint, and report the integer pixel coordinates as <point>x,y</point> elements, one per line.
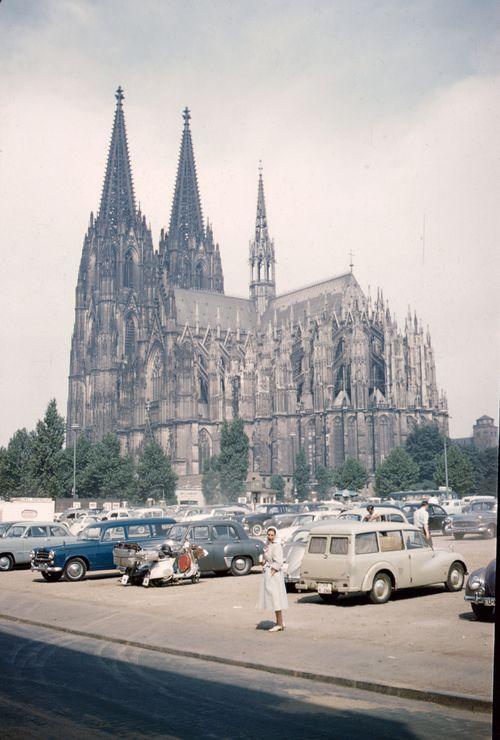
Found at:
<point>360,599</point>
<point>50,690</point>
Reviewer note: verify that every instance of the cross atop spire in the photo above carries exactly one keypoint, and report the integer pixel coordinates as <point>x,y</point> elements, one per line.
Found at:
<point>118,200</point>
<point>186,219</point>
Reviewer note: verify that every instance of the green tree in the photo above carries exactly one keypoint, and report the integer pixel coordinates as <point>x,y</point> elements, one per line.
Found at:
<point>278,485</point>
<point>484,465</point>
<point>210,483</point>
<point>107,473</point>
<point>155,473</point>
<point>424,445</point>
<point>351,475</point>
<point>398,472</point>
<point>301,476</point>
<point>14,464</point>
<point>233,459</point>
<point>459,471</point>
<point>325,480</point>
<point>46,458</point>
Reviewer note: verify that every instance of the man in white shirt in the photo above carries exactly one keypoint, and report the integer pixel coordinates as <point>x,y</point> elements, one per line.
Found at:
<point>421,520</point>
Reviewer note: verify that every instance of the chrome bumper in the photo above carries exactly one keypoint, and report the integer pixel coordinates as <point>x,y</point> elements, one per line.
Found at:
<point>45,568</point>
<point>481,599</point>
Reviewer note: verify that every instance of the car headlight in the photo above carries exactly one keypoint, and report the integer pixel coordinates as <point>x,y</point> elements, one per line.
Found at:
<point>32,554</point>
<point>476,582</point>
<point>51,554</point>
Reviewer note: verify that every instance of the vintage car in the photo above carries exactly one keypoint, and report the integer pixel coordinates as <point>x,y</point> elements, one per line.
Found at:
<point>386,513</point>
<point>348,557</point>
<point>22,537</point>
<point>301,520</point>
<point>293,552</point>
<point>255,523</point>
<point>480,591</point>
<point>228,546</point>
<point>437,516</point>
<point>479,517</point>
<point>93,549</point>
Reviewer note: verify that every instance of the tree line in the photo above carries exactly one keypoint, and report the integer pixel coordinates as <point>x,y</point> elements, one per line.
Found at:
<point>36,463</point>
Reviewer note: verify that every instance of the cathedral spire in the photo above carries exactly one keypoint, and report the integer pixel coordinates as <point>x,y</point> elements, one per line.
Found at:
<point>261,257</point>
<point>117,207</point>
<point>186,219</point>
<point>261,233</point>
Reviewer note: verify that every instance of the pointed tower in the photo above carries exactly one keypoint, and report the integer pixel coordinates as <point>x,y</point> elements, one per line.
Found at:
<point>188,250</point>
<point>261,256</point>
<point>116,283</point>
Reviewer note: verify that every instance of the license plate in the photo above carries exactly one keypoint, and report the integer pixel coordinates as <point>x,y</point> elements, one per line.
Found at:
<point>145,581</point>
<point>324,588</point>
<point>489,602</point>
<point>124,580</point>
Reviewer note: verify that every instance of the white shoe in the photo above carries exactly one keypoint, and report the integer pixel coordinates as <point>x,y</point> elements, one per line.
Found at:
<point>276,628</point>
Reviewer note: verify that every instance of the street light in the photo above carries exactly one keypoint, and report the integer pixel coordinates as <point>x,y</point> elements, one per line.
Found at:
<point>75,428</point>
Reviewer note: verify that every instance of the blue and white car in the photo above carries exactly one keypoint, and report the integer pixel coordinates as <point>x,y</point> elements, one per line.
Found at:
<point>93,549</point>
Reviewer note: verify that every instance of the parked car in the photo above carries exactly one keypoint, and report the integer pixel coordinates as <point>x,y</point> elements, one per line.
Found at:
<point>147,512</point>
<point>293,552</point>
<point>255,523</point>
<point>480,517</point>
<point>308,517</point>
<point>228,545</point>
<point>437,515</point>
<point>452,506</point>
<point>120,513</point>
<point>21,537</point>
<point>346,557</point>
<point>80,524</point>
<point>387,513</point>
<point>480,591</point>
<point>93,549</point>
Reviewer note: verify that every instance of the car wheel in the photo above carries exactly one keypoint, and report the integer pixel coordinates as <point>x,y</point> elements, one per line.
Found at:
<point>490,532</point>
<point>381,589</point>
<point>257,530</point>
<point>75,570</point>
<point>51,577</point>
<point>6,562</point>
<point>456,576</point>
<point>329,598</point>
<point>241,566</point>
<point>483,613</point>
<point>195,578</point>
<point>458,536</point>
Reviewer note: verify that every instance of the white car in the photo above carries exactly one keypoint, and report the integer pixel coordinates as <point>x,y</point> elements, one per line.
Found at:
<point>79,524</point>
<point>350,557</point>
<point>301,520</point>
<point>452,505</point>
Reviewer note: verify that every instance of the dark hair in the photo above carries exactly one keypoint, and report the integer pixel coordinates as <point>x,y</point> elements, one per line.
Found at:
<point>370,507</point>
<point>424,502</point>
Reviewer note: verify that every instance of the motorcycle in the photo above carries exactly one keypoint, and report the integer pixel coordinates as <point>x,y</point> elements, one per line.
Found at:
<point>165,564</point>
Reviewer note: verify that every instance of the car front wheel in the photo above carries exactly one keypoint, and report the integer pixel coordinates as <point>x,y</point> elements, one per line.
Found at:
<point>456,576</point>
<point>241,566</point>
<point>483,613</point>
<point>75,570</point>
<point>381,589</point>
<point>490,532</point>
<point>51,577</point>
<point>458,536</point>
<point>6,562</point>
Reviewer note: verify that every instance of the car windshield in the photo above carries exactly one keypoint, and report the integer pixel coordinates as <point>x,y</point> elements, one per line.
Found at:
<point>302,519</point>
<point>15,531</point>
<point>91,533</point>
<point>177,533</point>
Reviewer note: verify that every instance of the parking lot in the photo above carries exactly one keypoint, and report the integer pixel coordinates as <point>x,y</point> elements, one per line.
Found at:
<point>425,639</point>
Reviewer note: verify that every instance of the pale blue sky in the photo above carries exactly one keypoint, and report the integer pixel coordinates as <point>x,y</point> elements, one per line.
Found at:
<point>367,115</point>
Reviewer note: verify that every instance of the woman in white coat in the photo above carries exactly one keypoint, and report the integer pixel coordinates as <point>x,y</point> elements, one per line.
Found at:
<point>272,587</point>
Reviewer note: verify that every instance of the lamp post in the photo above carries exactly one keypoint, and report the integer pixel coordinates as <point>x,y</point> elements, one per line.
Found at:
<point>75,428</point>
<point>445,465</point>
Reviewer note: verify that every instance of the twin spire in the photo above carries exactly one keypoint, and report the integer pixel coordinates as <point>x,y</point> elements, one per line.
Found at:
<point>118,213</point>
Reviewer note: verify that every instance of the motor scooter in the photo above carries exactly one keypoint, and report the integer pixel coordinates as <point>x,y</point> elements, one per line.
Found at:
<point>167,563</point>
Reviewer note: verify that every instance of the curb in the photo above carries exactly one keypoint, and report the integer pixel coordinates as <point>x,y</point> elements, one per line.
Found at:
<point>444,698</point>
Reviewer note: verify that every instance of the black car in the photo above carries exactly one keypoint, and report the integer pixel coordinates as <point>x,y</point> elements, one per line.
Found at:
<point>437,516</point>
<point>480,592</point>
<point>256,523</point>
<point>228,545</point>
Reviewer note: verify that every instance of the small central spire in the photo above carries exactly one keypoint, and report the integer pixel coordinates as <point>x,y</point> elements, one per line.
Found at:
<point>186,116</point>
<point>119,95</point>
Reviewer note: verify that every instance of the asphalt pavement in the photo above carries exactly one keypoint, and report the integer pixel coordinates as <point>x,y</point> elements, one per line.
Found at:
<point>61,686</point>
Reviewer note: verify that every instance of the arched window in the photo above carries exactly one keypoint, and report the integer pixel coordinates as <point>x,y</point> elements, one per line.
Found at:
<point>129,337</point>
<point>352,446</point>
<point>204,449</point>
<point>199,278</point>
<point>384,438</point>
<point>128,271</point>
<point>203,379</point>
<point>338,443</point>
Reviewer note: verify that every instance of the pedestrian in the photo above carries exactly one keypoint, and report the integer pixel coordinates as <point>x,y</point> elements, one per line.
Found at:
<point>272,587</point>
<point>370,515</point>
<point>421,520</point>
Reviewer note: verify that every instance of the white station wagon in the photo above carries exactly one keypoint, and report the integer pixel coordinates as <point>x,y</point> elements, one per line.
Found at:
<point>347,557</point>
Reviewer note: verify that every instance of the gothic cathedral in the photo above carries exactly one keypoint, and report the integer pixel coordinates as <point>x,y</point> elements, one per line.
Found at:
<point>159,352</point>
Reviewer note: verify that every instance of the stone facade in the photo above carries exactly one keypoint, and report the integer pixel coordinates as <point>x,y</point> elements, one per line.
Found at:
<point>160,352</point>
